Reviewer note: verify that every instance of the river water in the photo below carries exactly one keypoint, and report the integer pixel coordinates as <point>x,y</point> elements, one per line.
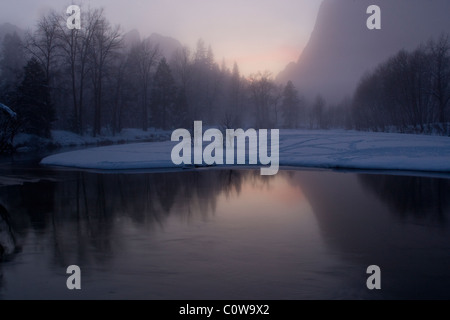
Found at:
<point>222,234</point>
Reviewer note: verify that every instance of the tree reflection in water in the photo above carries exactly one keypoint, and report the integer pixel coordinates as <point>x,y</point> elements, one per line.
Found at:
<point>82,210</point>
<point>335,224</point>
<point>8,243</point>
<point>414,197</point>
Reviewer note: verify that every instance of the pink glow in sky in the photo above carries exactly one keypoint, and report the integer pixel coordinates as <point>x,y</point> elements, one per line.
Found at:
<point>258,34</point>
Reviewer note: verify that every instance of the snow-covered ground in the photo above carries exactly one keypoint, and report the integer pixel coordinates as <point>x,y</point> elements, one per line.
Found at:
<point>65,138</point>
<point>321,149</point>
<point>60,139</point>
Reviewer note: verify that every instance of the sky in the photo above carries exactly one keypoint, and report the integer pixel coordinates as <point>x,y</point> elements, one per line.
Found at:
<point>259,35</point>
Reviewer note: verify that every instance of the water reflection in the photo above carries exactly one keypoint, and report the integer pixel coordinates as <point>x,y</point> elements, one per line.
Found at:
<point>358,218</point>
<point>225,234</point>
<point>84,207</point>
<point>412,197</point>
<point>8,244</point>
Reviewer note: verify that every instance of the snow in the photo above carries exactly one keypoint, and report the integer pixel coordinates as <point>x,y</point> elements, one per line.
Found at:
<point>365,150</point>
<point>131,156</point>
<point>27,142</point>
<point>66,138</point>
<point>300,148</point>
<point>11,113</point>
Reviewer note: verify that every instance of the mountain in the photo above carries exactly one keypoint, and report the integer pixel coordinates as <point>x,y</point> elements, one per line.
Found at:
<point>167,45</point>
<point>131,38</point>
<point>341,48</point>
<point>8,28</point>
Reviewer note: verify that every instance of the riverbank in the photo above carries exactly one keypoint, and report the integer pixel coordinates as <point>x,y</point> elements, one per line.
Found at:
<point>338,149</point>
<point>25,143</point>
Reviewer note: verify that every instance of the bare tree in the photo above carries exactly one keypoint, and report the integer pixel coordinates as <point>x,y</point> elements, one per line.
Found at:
<point>440,55</point>
<point>75,46</point>
<point>42,44</point>
<point>262,90</point>
<point>410,91</point>
<point>105,43</point>
<point>118,78</point>
<point>143,59</point>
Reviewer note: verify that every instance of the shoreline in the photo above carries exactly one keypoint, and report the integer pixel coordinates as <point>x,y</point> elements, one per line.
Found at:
<point>332,150</point>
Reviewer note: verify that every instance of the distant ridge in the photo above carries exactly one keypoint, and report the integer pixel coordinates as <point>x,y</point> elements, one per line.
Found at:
<point>167,45</point>
<point>341,48</point>
<point>8,28</point>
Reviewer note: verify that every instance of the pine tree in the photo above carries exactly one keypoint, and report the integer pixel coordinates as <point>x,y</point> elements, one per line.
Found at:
<point>291,106</point>
<point>32,100</point>
<point>234,110</point>
<point>318,112</point>
<point>164,96</point>
<point>12,60</point>
<point>201,52</point>
<point>180,110</point>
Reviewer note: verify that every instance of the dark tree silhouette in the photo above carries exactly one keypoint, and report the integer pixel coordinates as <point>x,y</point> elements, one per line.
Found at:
<point>12,60</point>
<point>410,92</point>
<point>33,105</point>
<point>163,96</point>
<point>290,106</point>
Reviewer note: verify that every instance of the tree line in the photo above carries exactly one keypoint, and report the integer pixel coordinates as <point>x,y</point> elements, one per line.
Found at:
<point>410,92</point>
<point>90,81</point>
<point>407,93</point>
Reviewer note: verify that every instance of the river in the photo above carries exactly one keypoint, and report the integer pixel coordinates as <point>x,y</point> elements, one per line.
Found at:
<point>222,234</point>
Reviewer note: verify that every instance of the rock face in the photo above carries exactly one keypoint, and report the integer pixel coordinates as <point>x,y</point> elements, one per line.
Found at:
<point>166,45</point>
<point>7,28</point>
<point>341,48</point>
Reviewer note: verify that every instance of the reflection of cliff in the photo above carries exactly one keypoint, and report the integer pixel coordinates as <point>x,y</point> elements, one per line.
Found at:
<point>82,212</point>
<point>361,228</point>
<point>341,48</point>
<point>420,198</point>
<point>347,217</point>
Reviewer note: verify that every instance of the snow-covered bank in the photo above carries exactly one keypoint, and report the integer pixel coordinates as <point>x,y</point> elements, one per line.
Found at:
<point>321,149</point>
<point>131,156</point>
<point>61,139</point>
<point>69,139</point>
<point>365,150</point>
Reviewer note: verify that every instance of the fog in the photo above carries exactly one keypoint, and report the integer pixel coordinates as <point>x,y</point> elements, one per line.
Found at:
<point>342,48</point>
<point>257,34</point>
<point>103,78</point>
